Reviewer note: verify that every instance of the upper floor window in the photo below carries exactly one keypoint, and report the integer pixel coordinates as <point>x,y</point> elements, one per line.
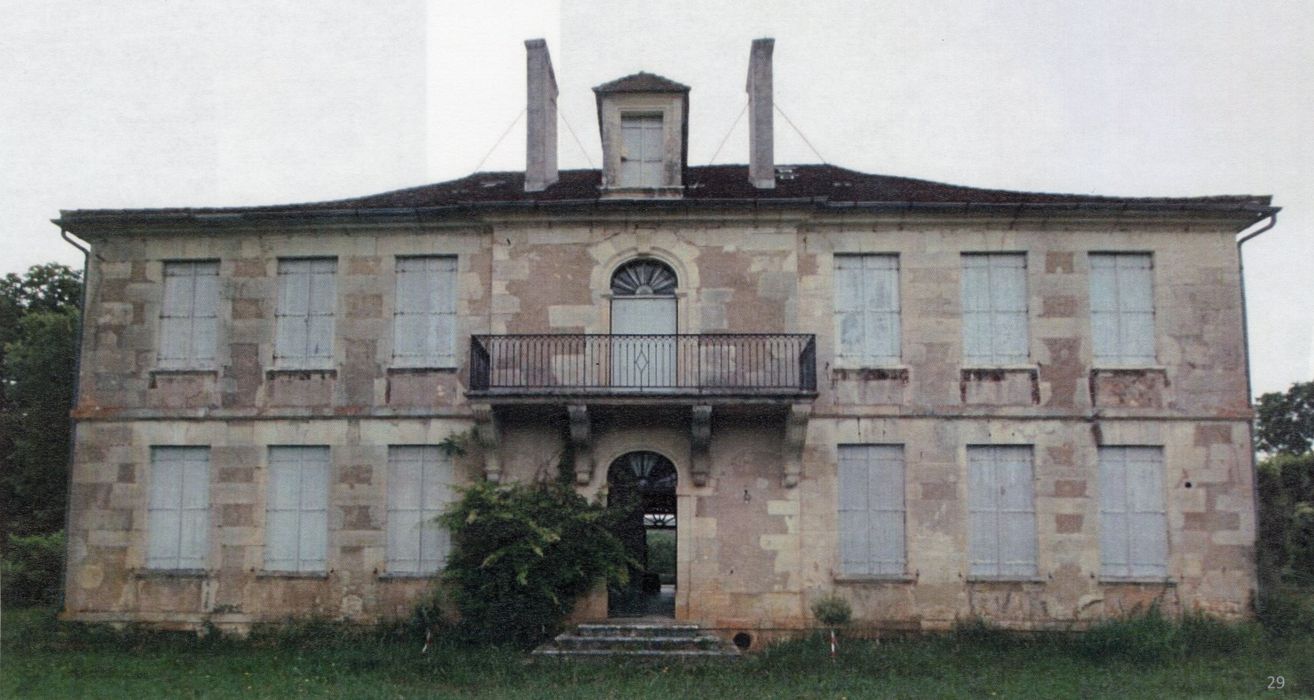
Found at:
<point>307,295</point>
<point>1122,308</point>
<point>424,319</point>
<point>995,308</point>
<point>189,315</point>
<point>871,509</point>
<point>178,518</point>
<point>1133,526</point>
<point>867,308</point>
<point>641,151</point>
<point>1001,506</point>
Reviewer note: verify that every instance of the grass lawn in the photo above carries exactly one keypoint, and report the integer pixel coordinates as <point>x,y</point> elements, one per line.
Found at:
<point>41,658</point>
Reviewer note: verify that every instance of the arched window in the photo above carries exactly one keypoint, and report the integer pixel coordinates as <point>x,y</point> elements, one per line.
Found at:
<point>643,277</point>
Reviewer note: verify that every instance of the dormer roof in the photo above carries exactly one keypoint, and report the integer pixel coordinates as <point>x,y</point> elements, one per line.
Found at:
<point>641,82</point>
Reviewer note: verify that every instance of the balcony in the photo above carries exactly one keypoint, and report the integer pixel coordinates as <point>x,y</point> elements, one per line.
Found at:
<point>702,368</point>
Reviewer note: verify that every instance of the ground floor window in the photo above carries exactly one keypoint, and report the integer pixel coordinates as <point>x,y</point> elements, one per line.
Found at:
<point>296,516</point>
<point>419,488</point>
<point>1002,512</point>
<point>871,510</point>
<point>1133,526</point>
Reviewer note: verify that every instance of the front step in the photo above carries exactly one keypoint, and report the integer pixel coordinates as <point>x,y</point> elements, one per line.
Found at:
<point>646,641</point>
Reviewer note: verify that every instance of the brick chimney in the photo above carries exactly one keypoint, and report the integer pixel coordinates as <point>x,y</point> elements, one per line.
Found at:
<point>761,133</point>
<point>540,118</point>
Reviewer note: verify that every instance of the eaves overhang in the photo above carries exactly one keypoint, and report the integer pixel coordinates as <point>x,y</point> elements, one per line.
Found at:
<point>143,220</point>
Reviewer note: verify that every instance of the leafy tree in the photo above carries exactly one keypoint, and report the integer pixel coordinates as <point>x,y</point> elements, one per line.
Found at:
<point>38,334</point>
<point>523,554</point>
<point>1286,420</point>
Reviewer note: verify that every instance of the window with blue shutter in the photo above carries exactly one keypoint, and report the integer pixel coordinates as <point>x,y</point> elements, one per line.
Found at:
<point>189,315</point>
<point>419,489</point>
<point>1122,308</point>
<point>871,510</point>
<point>867,309</point>
<point>178,516</point>
<point>1133,525</point>
<point>995,330</point>
<point>424,318</point>
<point>307,296</point>
<point>296,509</point>
<point>1002,512</point>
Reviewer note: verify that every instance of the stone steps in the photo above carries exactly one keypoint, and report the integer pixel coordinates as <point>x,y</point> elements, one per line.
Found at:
<point>639,641</point>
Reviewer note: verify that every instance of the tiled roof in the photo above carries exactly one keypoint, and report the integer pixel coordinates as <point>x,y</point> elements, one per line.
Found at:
<point>641,82</point>
<point>709,185</point>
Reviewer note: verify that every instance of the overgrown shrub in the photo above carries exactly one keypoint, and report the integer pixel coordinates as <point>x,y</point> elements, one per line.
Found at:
<point>523,554</point>
<point>32,570</point>
<point>1286,519</point>
<point>832,610</point>
<point>1286,613</point>
<point>1150,636</point>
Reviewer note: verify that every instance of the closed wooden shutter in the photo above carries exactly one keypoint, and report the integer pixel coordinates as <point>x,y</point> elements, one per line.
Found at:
<point>189,315</point>
<point>419,489</point>
<point>178,517</point>
<point>296,515</point>
<point>1122,308</point>
<point>1133,524</point>
<point>995,328</point>
<point>307,297</point>
<point>424,320</point>
<point>1001,505</point>
<point>867,308</point>
<point>871,510</point>
<point>642,157</point>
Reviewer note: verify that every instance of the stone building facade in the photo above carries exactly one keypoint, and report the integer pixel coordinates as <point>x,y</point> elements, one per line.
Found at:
<point>939,402</point>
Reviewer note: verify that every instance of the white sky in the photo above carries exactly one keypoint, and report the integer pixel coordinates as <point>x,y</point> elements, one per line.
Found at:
<point>146,103</point>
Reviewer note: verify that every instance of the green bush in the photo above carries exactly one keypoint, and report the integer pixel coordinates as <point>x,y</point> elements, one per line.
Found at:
<point>1286,519</point>
<point>1151,637</point>
<point>523,554</point>
<point>1286,613</point>
<point>832,610</point>
<point>32,571</point>
<point>661,554</point>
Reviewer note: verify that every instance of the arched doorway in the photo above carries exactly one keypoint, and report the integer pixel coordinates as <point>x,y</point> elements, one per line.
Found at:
<point>643,325</point>
<point>642,485</point>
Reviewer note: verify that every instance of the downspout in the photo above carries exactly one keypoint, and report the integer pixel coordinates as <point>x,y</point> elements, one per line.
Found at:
<point>1250,424</point>
<point>72,424</point>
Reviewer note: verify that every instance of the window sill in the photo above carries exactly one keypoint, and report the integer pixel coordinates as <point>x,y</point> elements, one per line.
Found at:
<point>874,578</point>
<point>171,573</point>
<point>314,575</point>
<point>183,371</point>
<point>1129,368</point>
<point>407,576</point>
<point>979,367</point>
<point>860,366</point>
<point>1006,579</point>
<point>301,372</point>
<point>1137,580</point>
<point>422,369</point>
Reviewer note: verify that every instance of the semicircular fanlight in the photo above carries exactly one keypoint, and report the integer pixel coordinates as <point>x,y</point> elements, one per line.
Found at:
<point>643,277</point>
<point>648,471</point>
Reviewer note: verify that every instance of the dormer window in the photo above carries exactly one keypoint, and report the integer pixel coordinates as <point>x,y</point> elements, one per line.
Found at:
<point>641,154</point>
<point>644,122</point>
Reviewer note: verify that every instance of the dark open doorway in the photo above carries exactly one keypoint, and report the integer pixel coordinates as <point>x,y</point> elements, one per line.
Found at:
<point>643,485</point>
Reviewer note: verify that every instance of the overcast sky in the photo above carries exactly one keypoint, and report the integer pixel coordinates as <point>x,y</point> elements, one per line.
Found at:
<point>148,103</point>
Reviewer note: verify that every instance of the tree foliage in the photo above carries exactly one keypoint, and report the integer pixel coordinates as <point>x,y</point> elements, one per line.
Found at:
<point>38,336</point>
<point>523,554</point>
<point>1286,420</point>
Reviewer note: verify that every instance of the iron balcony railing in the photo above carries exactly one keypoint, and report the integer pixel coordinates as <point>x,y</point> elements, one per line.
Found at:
<point>724,363</point>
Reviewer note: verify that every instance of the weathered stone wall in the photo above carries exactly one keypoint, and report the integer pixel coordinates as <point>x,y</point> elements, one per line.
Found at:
<point>752,552</point>
<point>107,576</point>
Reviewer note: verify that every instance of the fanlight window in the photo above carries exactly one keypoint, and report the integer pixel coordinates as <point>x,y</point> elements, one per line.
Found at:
<point>643,277</point>
<point>647,472</point>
